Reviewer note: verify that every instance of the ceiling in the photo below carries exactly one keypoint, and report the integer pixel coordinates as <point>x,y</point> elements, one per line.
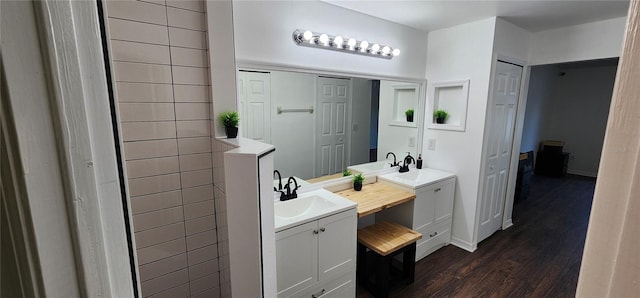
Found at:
<point>429,15</point>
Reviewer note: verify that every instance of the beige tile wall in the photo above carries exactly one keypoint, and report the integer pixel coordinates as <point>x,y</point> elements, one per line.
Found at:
<point>159,52</point>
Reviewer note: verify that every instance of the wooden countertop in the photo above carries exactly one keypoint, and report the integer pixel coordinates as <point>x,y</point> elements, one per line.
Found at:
<point>376,197</point>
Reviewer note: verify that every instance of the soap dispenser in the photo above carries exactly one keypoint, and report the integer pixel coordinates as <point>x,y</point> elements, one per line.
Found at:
<point>419,162</point>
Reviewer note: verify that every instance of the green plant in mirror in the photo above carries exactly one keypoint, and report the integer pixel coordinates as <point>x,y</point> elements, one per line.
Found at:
<point>346,173</point>
<point>409,113</point>
<point>229,119</point>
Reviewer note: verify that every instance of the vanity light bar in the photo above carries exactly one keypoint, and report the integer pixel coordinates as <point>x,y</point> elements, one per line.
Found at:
<point>343,44</point>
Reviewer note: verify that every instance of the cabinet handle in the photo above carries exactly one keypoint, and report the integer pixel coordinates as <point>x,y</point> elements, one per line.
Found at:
<point>318,294</point>
<point>322,229</point>
<point>315,231</point>
<point>437,189</point>
<point>434,234</point>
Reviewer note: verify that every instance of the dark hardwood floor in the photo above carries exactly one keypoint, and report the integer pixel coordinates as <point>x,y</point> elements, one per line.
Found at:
<point>539,256</point>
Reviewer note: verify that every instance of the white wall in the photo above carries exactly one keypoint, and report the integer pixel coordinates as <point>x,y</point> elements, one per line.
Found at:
<point>572,108</point>
<point>360,120</point>
<point>595,40</point>
<point>293,133</point>
<point>461,52</point>
<point>511,41</point>
<point>393,138</point>
<point>263,35</point>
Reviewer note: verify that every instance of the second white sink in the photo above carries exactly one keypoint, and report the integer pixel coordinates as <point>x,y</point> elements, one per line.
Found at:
<point>416,178</point>
<point>309,206</point>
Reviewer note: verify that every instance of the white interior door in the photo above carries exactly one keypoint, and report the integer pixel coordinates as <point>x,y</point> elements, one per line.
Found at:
<point>331,125</point>
<point>254,94</point>
<point>501,121</point>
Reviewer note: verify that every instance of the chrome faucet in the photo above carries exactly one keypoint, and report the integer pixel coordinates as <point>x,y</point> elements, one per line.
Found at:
<point>406,162</point>
<point>394,164</point>
<point>291,194</point>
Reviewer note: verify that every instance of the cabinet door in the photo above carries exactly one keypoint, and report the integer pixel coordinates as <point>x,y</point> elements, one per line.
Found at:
<point>443,193</point>
<point>337,244</point>
<point>424,208</point>
<point>297,258</point>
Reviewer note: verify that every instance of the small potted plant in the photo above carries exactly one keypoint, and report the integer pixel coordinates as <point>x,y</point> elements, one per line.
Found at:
<point>440,116</point>
<point>409,114</point>
<point>230,122</point>
<point>346,173</point>
<point>357,182</point>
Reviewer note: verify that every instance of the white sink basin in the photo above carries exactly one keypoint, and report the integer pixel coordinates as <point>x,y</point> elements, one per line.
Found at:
<point>307,207</point>
<point>416,178</point>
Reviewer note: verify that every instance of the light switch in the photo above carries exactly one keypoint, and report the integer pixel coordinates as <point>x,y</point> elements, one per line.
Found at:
<point>412,141</point>
<point>354,127</point>
<point>431,144</point>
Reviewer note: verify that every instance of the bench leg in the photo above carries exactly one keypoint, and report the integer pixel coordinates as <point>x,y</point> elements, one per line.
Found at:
<point>409,263</point>
<point>383,265</point>
<point>361,270</point>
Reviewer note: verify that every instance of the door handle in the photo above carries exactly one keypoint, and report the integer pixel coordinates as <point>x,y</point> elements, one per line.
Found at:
<point>315,231</point>
<point>434,234</point>
<point>322,229</point>
<point>437,189</point>
<point>318,294</point>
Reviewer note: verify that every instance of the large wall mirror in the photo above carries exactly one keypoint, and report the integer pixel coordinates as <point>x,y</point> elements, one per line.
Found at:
<point>321,124</point>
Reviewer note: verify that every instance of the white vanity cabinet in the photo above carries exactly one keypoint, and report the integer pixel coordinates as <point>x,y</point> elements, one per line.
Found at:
<point>430,214</point>
<point>318,258</point>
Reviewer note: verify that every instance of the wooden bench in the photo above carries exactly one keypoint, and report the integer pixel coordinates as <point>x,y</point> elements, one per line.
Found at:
<point>386,240</point>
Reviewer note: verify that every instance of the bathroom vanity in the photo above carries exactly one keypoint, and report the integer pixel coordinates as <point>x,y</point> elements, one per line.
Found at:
<point>315,245</point>
<point>430,213</point>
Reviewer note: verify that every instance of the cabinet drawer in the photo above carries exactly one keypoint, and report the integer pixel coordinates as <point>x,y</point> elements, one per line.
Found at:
<point>433,239</point>
<point>343,286</point>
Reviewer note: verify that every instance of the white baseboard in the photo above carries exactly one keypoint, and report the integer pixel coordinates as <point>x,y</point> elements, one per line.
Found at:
<point>468,246</point>
<point>507,224</point>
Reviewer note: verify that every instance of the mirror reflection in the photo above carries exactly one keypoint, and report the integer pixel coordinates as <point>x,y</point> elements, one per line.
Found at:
<point>320,124</point>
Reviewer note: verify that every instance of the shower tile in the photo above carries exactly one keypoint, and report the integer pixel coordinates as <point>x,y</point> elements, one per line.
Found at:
<point>213,292</point>
<point>139,131</point>
<point>144,92</point>
<point>201,240</point>
<point>199,209</point>
<point>131,112</point>
<point>165,282</point>
<point>195,5</point>
<point>189,57</point>
<point>188,38</point>
<point>159,235</point>
<point>142,73</point>
<point>137,11</point>
<point>197,194</point>
<point>192,128</point>
<point>155,184</point>
<point>164,250</point>
<point>181,291</point>
<point>192,93</point>
<point>156,201</point>
<point>149,220</point>
<point>138,32</point>
<point>203,269</point>
<point>150,149</point>
<point>126,51</point>
<point>184,75</point>
<point>152,167</point>
<point>203,254</point>
<point>162,267</point>
<point>195,162</point>
<point>192,111</point>
<point>186,19</point>
<point>207,282</point>
<point>199,225</point>
<point>194,145</point>
<point>196,178</point>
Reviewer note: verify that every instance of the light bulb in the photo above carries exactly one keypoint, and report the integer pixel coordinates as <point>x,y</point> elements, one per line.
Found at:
<point>386,50</point>
<point>324,39</point>
<point>307,35</point>
<point>374,48</point>
<point>363,46</point>
<point>395,52</point>
<point>351,43</point>
<point>338,41</point>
